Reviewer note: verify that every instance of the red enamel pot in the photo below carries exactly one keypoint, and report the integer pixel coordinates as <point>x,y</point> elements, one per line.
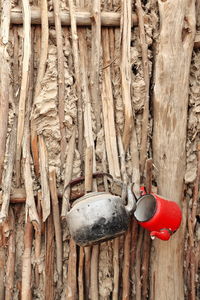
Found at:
<point>158,215</point>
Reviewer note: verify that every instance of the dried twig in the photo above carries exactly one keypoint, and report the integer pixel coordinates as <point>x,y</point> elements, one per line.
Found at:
<point>8,174</point>
<point>49,260</point>
<point>80,274</point>
<point>147,240</point>
<point>24,84</point>
<point>144,47</point>
<point>95,59</point>
<point>61,78</point>
<point>38,239</point>
<point>77,74</point>
<point>108,111</point>
<point>44,178</point>
<point>2,262</point>
<point>5,79</point>
<point>68,173</point>
<point>57,225</point>
<point>40,75</point>
<point>83,18</point>
<point>71,292</point>
<point>126,72</point>
<point>10,267</point>
<point>26,262</point>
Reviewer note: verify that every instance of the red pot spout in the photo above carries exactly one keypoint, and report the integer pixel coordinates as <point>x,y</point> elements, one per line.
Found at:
<point>163,234</point>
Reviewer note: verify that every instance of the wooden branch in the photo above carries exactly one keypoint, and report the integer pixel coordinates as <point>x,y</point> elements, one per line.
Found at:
<point>138,265</point>
<point>95,60</point>
<point>49,292</point>
<point>38,236</point>
<point>57,225</point>
<point>115,295</point>
<point>5,79</point>
<point>81,274</point>
<point>134,242</point>
<point>24,84</point>
<point>126,266</point>
<point>61,79</point>
<point>108,111</point>
<point>94,281</point>
<point>68,173</point>
<point>71,293</point>
<point>44,178</point>
<point>77,74</point>
<point>8,174</point>
<point>82,18</point>
<point>126,72</point>
<point>40,75</point>
<point>31,210</point>
<point>145,62</point>
<point>26,262</point>
<point>10,265</point>
<point>2,262</point>
<point>147,240</point>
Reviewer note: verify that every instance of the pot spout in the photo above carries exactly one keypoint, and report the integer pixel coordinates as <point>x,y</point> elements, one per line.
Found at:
<point>164,234</point>
<point>131,205</point>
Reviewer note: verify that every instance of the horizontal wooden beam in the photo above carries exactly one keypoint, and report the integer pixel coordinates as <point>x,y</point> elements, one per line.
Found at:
<point>83,18</point>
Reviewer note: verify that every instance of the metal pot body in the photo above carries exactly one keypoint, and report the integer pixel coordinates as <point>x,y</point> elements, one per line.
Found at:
<point>160,216</point>
<point>97,217</point>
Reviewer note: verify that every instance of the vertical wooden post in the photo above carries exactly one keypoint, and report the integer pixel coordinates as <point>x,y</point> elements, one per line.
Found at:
<point>177,19</point>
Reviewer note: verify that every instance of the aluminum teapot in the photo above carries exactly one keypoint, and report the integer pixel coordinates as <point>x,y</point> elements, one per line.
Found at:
<point>100,216</point>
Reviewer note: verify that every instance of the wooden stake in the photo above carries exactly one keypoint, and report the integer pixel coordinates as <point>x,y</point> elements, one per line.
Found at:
<point>24,84</point>
<point>2,262</point>
<point>68,173</point>
<point>57,225</point>
<point>44,178</point>
<point>77,74</point>
<point>49,293</point>
<point>71,293</point>
<point>80,274</point>
<point>115,295</point>
<point>145,62</point>
<point>8,174</point>
<point>10,266</point>
<point>108,111</point>
<point>26,262</point>
<point>82,18</point>
<point>40,75</point>
<point>61,79</point>
<point>125,72</point>
<point>95,60</point>
<point>5,79</point>
<point>38,236</point>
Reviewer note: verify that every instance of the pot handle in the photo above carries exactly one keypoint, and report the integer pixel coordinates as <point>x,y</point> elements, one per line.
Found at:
<point>82,178</point>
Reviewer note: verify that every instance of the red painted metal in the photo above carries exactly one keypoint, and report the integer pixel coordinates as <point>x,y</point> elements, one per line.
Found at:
<point>165,219</point>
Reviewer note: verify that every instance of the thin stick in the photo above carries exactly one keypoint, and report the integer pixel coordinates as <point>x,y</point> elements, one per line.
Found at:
<point>61,79</point>
<point>24,84</point>
<point>31,210</point>
<point>125,72</point>
<point>145,121</point>
<point>147,240</point>
<point>8,174</point>
<point>77,73</point>
<point>115,295</point>
<point>49,261</point>
<point>134,241</point>
<point>5,79</point>
<point>108,111</point>
<point>2,262</point>
<point>57,225</point>
<point>68,173</point>
<point>83,18</point>
<point>38,239</point>
<point>10,267</point>
<point>26,262</point>
<point>40,75</point>
<point>71,292</point>
<point>95,60</point>
<point>44,178</point>
<point>138,265</point>
<point>80,274</point>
